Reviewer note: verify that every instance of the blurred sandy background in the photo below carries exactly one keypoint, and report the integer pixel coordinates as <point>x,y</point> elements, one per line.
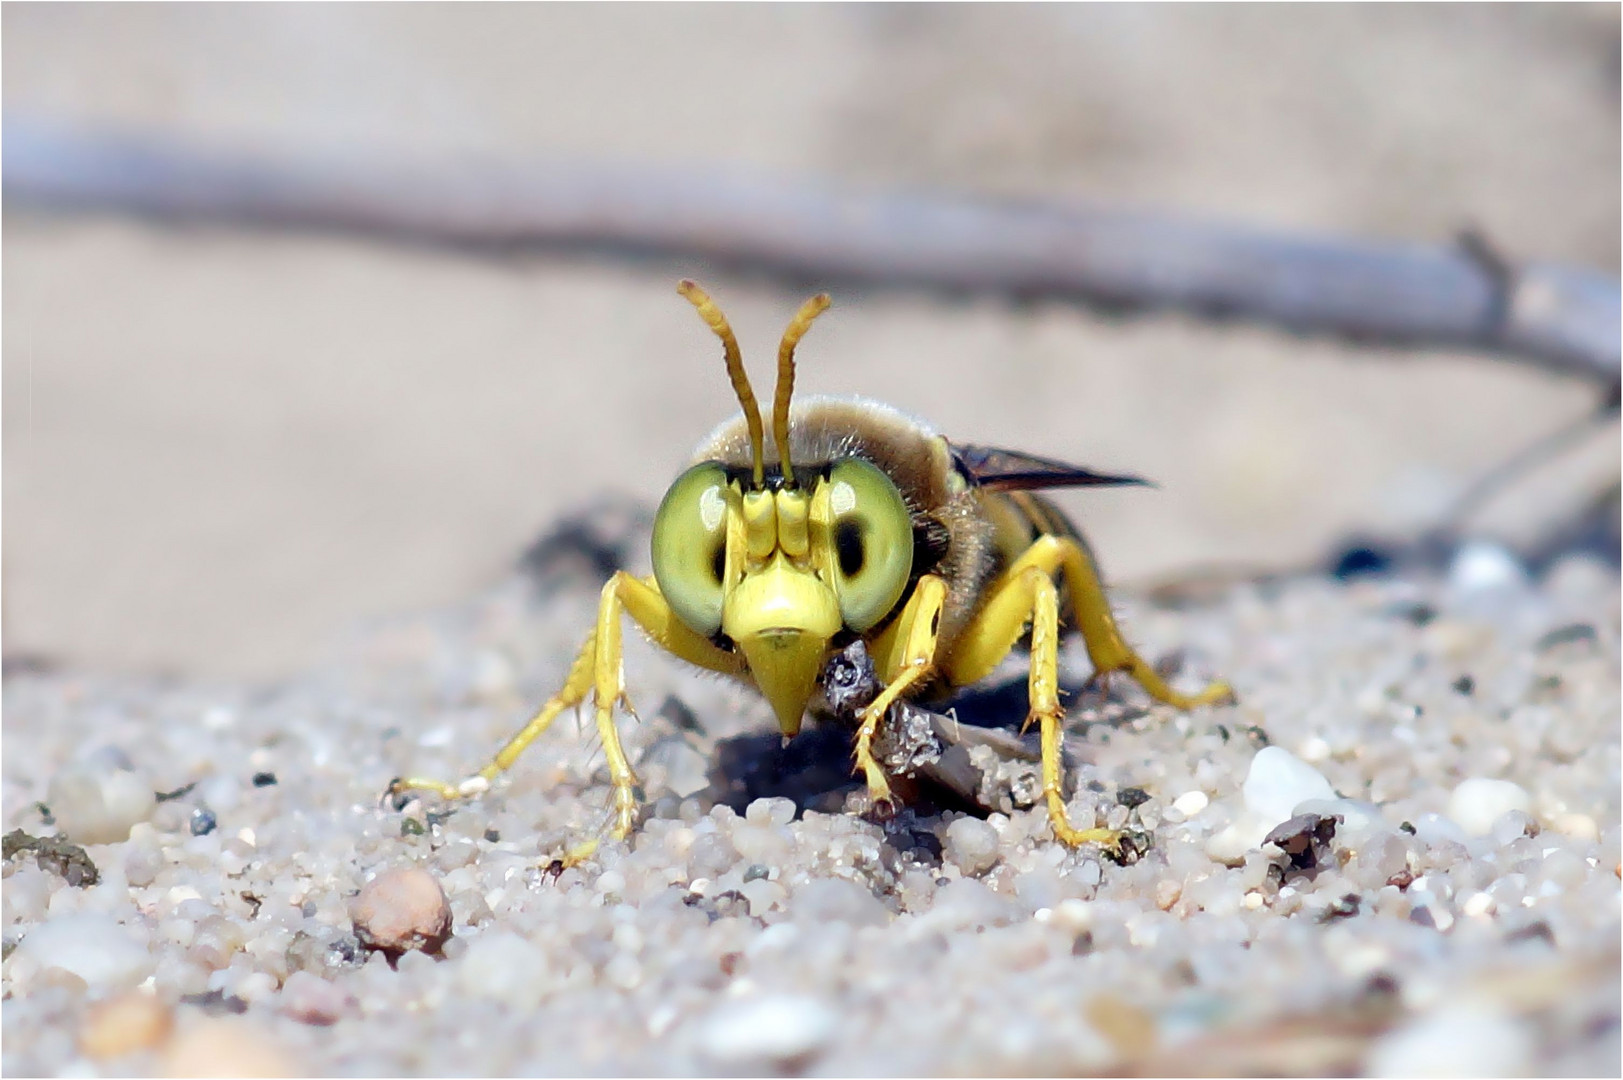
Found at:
<point>222,447</point>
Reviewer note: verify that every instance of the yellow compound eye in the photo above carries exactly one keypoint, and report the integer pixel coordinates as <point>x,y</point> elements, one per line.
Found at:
<point>690,546</point>
<point>871,533</point>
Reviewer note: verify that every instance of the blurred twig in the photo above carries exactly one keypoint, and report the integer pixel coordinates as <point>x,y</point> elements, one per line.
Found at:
<point>1469,295</point>
<point>1545,448</point>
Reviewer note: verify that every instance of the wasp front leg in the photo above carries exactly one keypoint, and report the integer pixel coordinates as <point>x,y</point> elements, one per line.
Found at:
<point>598,671</point>
<point>904,657</point>
<point>1107,649</point>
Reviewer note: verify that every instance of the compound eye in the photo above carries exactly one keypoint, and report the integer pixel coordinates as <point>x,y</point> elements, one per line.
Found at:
<point>872,535</point>
<point>690,546</point>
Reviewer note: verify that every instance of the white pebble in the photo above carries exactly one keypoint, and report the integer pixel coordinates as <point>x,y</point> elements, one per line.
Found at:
<point>218,718</point>
<point>1565,869</point>
<point>1313,749</point>
<point>1191,803</point>
<point>1477,803</point>
<point>503,967</point>
<point>1481,566</point>
<point>1358,819</point>
<point>1513,825</point>
<point>27,895</point>
<point>1435,829</point>
<point>1431,912</point>
<point>125,1024</point>
<point>763,895</point>
<point>1458,1039</point>
<point>1382,857</point>
<point>493,675</point>
<point>310,999</point>
<point>1245,833</point>
<point>97,802</point>
<point>98,950</point>
<point>1579,578</point>
<point>770,812</point>
<point>220,793</point>
<point>827,900</point>
<point>1072,915</point>
<point>772,1028</point>
<point>1356,958</point>
<point>971,845</point>
<point>435,737</point>
<point>968,903</point>
<point>1577,826</point>
<point>687,772</point>
<point>1279,781</point>
<point>230,1046</point>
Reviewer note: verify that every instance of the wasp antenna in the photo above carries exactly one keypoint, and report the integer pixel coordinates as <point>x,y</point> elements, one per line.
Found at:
<point>711,314</point>
<point>786,377</point>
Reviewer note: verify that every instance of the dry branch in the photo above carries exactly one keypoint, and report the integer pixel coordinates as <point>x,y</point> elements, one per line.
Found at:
<point>1558,317</point>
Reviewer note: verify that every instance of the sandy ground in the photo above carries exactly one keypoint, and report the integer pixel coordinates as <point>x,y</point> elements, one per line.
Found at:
<point>291,474</point>
<point>1459,914</point>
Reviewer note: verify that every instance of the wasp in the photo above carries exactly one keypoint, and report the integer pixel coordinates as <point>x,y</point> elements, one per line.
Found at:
<point>857,522</point>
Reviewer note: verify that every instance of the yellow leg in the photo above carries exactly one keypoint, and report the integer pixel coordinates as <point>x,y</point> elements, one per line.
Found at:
<point>1026,593</point>
<point>598,670</point>
<point>1106,648</point>
<point>904,657</point>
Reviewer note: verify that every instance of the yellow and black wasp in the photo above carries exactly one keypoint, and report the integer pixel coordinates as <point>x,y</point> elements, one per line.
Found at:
<point>856,522</point>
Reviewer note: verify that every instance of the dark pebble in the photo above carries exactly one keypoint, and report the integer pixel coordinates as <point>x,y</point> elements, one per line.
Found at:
<point>682,717</point>
<point>1361,560</point>
<point>203,822</point>
<point>1132,797</point>
<point>1533,931</point>
<point>1305,838</point>
<point>55,855</point>
<point>1344,907</point>
<point>216,1003</point>
<point>1566,635</point>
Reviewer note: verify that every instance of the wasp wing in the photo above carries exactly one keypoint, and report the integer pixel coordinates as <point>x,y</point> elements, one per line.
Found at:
<point>1010,470</point>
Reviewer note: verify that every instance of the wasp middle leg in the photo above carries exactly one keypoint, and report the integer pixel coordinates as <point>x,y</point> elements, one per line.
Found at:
<point>598,671</point>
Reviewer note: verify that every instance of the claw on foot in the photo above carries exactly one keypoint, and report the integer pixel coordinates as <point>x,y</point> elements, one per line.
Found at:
<point>1109,839</point>
<point>571,858</point>
<point>472,787</point>
<point>626,805</point>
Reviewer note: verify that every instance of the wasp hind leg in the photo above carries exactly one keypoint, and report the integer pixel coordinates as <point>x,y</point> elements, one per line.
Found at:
<point>1027,594</point>
<point>1107,650</point>
<point>597,671</point>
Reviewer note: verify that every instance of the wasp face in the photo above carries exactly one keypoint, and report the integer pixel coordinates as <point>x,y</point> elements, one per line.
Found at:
<point>777,570</point>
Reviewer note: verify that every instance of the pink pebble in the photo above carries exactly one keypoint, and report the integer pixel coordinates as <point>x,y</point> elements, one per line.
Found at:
<point>401,910</point>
